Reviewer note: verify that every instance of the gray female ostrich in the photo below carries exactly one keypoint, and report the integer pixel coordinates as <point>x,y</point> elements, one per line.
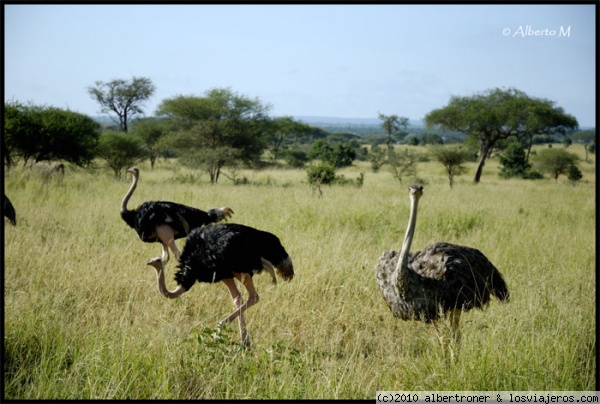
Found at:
<point>164,222</point>
<point>222,252</point>
<point>440,279</point>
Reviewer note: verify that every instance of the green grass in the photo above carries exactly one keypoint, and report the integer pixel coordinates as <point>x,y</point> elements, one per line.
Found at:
<point>84,319</point>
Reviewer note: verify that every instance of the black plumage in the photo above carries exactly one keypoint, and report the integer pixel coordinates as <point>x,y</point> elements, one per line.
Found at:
<point>214,253</point>
<point>181,218</point>
<point>9,211</point>
<point>165,222</point>
<point>224,252</point>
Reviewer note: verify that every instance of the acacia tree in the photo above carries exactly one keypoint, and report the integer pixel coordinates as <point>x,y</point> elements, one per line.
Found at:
<point>586,138</point>
<point>392,124</point>
<point>555,161</point>
<point>402,164</point>
<point>452,158</point>
<point>123,98</point>
<point>376,157</point>
<point>36,134</point>
<point>150,131</point>
<point>282,128</point>
<point>120,150</point>
<point>541,117</point>
<point>499,114</point>
<point>222,128</point>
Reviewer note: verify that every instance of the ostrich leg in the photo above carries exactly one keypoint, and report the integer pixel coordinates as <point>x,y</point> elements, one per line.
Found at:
<point>454,318</point>
<point>236,297</point>
<point>166,235</point>
<point>450,344</point>
<point>246,280</point>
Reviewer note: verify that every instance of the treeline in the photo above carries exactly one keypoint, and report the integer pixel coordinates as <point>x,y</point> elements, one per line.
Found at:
<point>224,129</point>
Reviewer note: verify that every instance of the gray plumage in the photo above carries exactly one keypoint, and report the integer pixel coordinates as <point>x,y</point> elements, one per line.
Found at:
<point>442,277</point>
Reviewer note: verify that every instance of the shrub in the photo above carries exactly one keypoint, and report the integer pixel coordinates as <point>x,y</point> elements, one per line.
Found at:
<point>514,161</point>
<point>320,174</point>
<point>574,173</point>
<point>294,158</point>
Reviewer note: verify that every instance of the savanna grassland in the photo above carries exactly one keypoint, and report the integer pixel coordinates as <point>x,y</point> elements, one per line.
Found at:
<point>83,318</point>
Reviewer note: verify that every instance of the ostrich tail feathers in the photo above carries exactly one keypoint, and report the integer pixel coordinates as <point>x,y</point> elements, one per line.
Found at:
<point>220,214</point>
<point>285,269</point>
<point>499,288</point>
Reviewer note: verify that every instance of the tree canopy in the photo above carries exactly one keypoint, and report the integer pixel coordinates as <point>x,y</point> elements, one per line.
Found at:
<point>452,158</point>
<point>498,114</point>
<point>555,161</point>
<point>150,131</point>
<point>222,128</point>
<point>586,138</point>
<point>123,98</point>
<point>282,128</point>
<point>47,133</point>
<point>392,124</point>
<point>120,150</point>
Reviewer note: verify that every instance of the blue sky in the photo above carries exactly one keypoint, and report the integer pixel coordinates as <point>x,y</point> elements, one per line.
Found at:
<point>348,61</point>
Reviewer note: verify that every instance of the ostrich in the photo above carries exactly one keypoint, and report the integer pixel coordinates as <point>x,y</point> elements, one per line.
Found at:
<point>440,279</point>
<point>9,211</point>
<point>222,252</point>
<point>164,222</point>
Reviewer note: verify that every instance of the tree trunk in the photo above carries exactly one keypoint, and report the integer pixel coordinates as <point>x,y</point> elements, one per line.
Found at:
<point>529,144</point>
<point>483,151</point>
<point>479,169</point>
<point>212,173</point>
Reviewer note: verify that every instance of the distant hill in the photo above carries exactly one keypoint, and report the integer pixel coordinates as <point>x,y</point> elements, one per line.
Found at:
<point>315,120</point>
<point>103,119</point>
<point>311,120</point>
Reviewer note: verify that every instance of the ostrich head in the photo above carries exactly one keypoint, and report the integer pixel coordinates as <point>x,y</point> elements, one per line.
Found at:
<point>160,276</point>
<point>133,170</point>
<point>157,263</point>
<point>415,191</point>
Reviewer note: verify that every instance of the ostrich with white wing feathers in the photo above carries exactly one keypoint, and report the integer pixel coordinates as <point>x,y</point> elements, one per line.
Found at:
<point>222,253</point>
<point>165,222</point>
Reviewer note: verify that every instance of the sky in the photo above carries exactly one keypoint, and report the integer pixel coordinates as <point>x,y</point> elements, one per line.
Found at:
<point>343,61</point>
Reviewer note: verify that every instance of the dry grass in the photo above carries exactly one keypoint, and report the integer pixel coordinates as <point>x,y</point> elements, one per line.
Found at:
<point>84,319</point>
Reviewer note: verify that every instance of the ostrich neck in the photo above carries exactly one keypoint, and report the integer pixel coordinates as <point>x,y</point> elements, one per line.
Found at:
<point>160,277</point>
<point>402,267</point>
<point>128,194</point>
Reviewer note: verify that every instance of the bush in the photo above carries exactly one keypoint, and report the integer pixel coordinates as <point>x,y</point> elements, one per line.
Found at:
<point>532,175</point>
<point>321,174</point>
<point>294,158</point>
<point>574,173</point>
<point>514,161</point>
<point>120,150</point>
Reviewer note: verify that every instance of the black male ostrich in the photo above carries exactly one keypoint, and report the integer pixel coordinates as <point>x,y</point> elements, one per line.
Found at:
<point>9,211</point>
<point>164,222</point>
<point>441,278</point>
<point>223,252</point>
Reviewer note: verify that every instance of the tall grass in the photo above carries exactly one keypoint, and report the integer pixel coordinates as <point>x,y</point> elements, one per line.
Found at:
<point>84,319</point>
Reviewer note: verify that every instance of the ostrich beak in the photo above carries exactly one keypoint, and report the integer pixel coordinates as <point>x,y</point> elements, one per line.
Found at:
<point>153,261</point>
